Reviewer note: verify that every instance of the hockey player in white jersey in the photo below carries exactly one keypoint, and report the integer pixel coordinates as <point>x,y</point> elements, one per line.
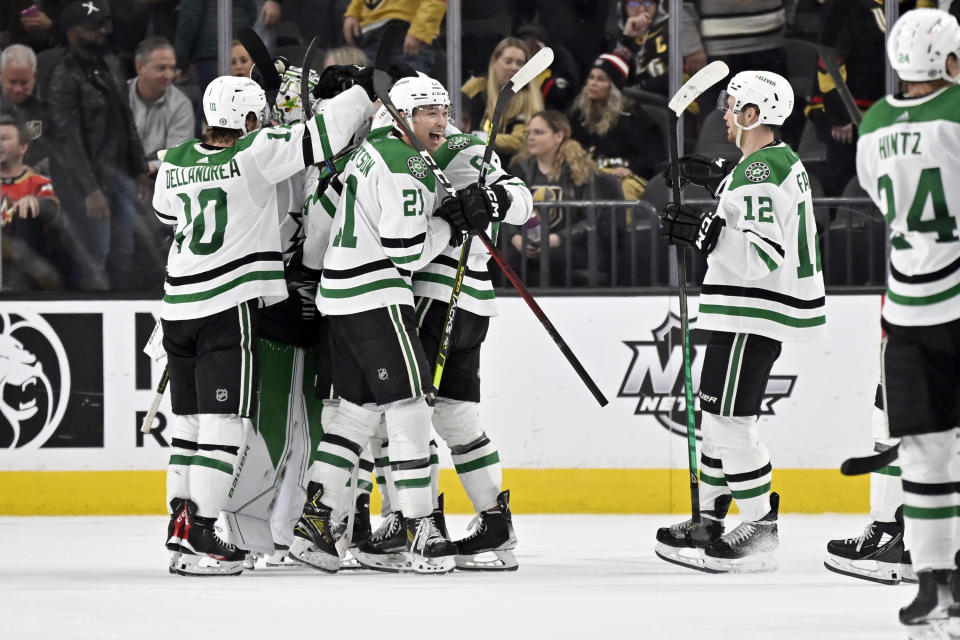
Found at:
<point>225,256</point>
<point>909,164</point>
<point>384,231</point>
<point>763,287</point>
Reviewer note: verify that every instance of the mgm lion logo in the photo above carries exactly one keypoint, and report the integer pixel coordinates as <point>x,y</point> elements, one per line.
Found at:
<point>417,167</point>
<point>757,172</point>
<point>34,380</point>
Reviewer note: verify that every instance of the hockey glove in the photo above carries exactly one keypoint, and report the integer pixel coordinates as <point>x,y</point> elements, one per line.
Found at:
<point>363,76</point>
<point>474,207</point>
<point>685,225</point>
<point>700,170</point>
<point>334,80</point>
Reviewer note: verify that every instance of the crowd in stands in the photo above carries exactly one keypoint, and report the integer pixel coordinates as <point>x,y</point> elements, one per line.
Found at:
<point>92,90</point>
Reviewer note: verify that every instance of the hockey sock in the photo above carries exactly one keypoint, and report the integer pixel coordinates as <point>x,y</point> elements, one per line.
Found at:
<point>340,447</point>
<point>712,483</point>
<point>211,469</point>
<point>408,428</point>
<point>183,448</point>
<point>364,484</point>
<point>381,463</point>
<point>886,489</point>
<point>474,456</point>
<point>434,475</point>
<point>745,461</point>
<point>930,500</point>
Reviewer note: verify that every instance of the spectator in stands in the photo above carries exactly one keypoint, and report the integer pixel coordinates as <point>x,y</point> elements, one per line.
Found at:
<point>860,49</point>
<point>30,22</point>
<point>346,55</point>
<point>645,32</point>
<point>558,84</point>
<point>364,24</point>
<point>240,60</point>
<point>625,142</point>
<point>28,209</point>
<point>196,39</point>
<point>480,98</point>
<point>556,167</point>
<point>18,75</point>
<point>162,113</point>
<point>102,155</point>
<point>577,25</point>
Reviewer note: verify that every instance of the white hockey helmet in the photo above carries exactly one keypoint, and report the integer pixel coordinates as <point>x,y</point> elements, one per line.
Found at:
<point>920,42</point>
<point>288,108</point>
<point>409,93</point>
<point>771,93</point>
<point>228,99</point>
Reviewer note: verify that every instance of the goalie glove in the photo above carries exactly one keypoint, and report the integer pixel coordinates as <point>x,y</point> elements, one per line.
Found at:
<point>700,170</point>
<point>473,208</point>
<point>687,226</point>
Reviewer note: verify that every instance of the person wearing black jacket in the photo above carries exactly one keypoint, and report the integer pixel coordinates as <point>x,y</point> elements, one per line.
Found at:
<point>102,156</point>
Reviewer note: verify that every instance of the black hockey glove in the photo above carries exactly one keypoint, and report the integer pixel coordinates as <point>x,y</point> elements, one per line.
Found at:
<point>334,80</point>
<point>700,170</point>
<point>687,226</point>
<point>474,207</point>
<point>363,76</point>
<point>302,284</point>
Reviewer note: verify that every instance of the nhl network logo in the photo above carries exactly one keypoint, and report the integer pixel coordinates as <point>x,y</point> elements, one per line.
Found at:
<point>655,377</point>
<point>34,380</point>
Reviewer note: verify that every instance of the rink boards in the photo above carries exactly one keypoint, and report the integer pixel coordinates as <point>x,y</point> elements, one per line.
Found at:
<point>74,386</point>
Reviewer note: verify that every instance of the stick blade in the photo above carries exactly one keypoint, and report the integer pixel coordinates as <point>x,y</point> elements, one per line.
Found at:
<point>305,78</point>
<point>700,82</point>
<point>389,42</point>
<point>534,67</point>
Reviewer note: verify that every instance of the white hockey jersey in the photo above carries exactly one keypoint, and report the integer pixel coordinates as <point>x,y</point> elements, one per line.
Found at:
<point>383,229</point>
<point>764,276</point>
<point>227,245</point>
<point>908,160</point>
<point>460,158</point>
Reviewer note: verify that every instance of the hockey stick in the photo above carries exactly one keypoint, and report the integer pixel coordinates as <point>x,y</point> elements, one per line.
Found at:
<point>692,88</point>
<point>147,423</point>
<point>534,67</point>
<point>264,62</point>
<point>381,86</point>
<point>869,464</point>
<point>835,18</point>
<point>305,79</point>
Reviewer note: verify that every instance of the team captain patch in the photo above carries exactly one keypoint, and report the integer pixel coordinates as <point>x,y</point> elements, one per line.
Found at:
<point>757,172</point>
<point>417,167</point>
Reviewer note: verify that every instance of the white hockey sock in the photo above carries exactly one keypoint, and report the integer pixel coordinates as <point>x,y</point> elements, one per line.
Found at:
<point>212,468</point>
<point>745,460</point>
<point>712,483</point>
<point>434,474</point>
<point>928,464</point>
<point>886,489</point>
<point>381,463</point>
<point>183,448</point>
<point>340,448</point>
<point>408,429</point>
<point>474,456</point>
<point>364,482</point>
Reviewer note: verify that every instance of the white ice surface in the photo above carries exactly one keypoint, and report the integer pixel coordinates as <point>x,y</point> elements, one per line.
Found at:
<point>580,577</point>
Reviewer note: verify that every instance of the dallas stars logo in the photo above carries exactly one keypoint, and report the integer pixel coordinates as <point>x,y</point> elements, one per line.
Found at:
<point>655,377</point>
<point>757,172</point>
<point>458,142</point>
<point>417,167</point>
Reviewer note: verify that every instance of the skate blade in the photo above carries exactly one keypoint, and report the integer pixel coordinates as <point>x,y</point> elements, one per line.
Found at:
<point>350,562</point>
<point>763,562</point>
<point>387,562</point>
<point>495,560</point>
<point>908,575</point>
<point>195,566</point>
<point>933,630</point>
<point>871,570</point>
<point>174,559</point>
<point>305,553</point>
<point>688,557</point>
<point>441,565</point>
<point>280,561</point>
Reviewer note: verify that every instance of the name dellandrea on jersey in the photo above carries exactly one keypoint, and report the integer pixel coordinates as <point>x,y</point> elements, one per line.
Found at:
<point>764,276</point>
<point>908,161</point>
<point>383,229</point>
<point>227,245</point>
<point>460,158</point>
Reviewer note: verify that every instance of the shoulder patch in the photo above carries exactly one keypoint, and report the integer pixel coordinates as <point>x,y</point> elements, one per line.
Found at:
<point>757,172</point>
<point>417,166</point>
<point>458,142</point>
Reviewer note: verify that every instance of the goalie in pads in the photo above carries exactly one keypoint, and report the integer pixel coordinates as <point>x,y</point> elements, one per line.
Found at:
<point>763,287</point>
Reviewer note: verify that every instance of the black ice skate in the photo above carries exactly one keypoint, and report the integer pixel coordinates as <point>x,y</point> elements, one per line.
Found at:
<point>175,531</point>
<point>748,548</point>
<point>315,535</point>
<point>386,550</point>
<point>440,518</point>
<point>928,613</point>
<point>876,555</point>
<point>361,533</point>
<point>203,552</point>
<point>490,546</point>
<point>430,550</point>
<point>683,543</point>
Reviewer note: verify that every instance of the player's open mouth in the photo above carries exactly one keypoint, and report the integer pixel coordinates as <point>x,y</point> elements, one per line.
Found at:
<point>436,138</point>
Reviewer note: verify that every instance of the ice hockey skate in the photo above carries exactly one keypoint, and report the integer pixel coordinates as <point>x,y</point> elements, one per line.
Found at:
<point>386,549</point>
<point>490,546</point>
<point>683,543</point>
<point>876,555</point>
<point>314,536</point>
<point>429,550</point>
<point>361,532</point>
<point>748,548</point>
<point>279,559</point>
<point>175,531</point>
<point>203,552</point>
<point>927,615</point>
